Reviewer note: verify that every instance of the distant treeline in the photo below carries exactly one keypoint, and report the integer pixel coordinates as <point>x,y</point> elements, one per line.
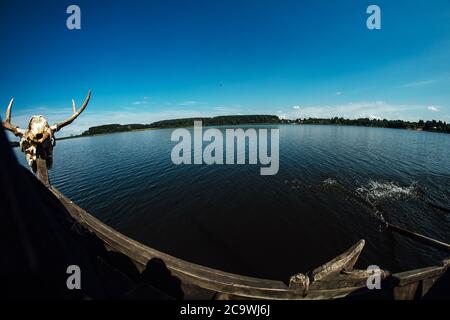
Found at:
<point>433,125</point>
<point>110,128</point>
<point>216,121</point>
<point>187,122</point>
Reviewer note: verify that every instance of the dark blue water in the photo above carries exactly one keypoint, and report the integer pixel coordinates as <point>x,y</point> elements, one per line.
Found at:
<point>335,186</point>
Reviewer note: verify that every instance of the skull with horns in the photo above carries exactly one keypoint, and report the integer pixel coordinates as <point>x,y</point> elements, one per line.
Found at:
<point>38,140</point>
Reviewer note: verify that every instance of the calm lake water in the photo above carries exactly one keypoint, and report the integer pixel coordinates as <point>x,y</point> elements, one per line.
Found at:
<point>334,187</point>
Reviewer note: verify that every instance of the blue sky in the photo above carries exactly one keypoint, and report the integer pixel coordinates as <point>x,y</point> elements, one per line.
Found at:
<point>153,60</point>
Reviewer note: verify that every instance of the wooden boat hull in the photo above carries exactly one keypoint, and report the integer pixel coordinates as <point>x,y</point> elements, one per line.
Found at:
<point>335,279</point>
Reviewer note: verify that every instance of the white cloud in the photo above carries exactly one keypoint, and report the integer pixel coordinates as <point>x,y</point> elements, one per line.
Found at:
<point>418,83</point>
<point>187,103</point>
<point>145,100</point>
<point>190,103</point>
<point>281,114</point>
<point>229,110</point>
<point>354,110</point>
<point>296,107</point>
<point>433,108</point>
<point>338,93</point>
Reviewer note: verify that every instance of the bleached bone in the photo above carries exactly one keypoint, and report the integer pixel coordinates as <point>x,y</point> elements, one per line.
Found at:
<point>37,140</point>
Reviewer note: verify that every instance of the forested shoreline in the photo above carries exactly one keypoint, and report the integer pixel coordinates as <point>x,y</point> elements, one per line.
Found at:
<point>433,125</point>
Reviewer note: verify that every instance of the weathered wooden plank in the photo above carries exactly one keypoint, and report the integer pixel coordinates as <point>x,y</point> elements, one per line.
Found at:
<point>345,261</point>
<point>352,279</point>
<point>407,292</point>
<point>41,171</point>
<point>408,277</point>
<point>427,284</point>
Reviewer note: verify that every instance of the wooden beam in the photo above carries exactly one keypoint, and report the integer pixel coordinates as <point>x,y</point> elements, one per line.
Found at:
<point>42,171</point>
<point>408,277</point>
<point>419,237</point>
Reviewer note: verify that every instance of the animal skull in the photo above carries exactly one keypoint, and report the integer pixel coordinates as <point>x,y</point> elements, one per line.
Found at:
<point>38,140</point>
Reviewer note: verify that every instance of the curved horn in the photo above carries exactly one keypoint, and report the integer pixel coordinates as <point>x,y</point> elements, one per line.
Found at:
<point>60,125</point>
<point>7,123</point>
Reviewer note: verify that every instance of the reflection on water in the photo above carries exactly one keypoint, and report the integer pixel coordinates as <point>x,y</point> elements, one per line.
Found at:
<point>335,185</point>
